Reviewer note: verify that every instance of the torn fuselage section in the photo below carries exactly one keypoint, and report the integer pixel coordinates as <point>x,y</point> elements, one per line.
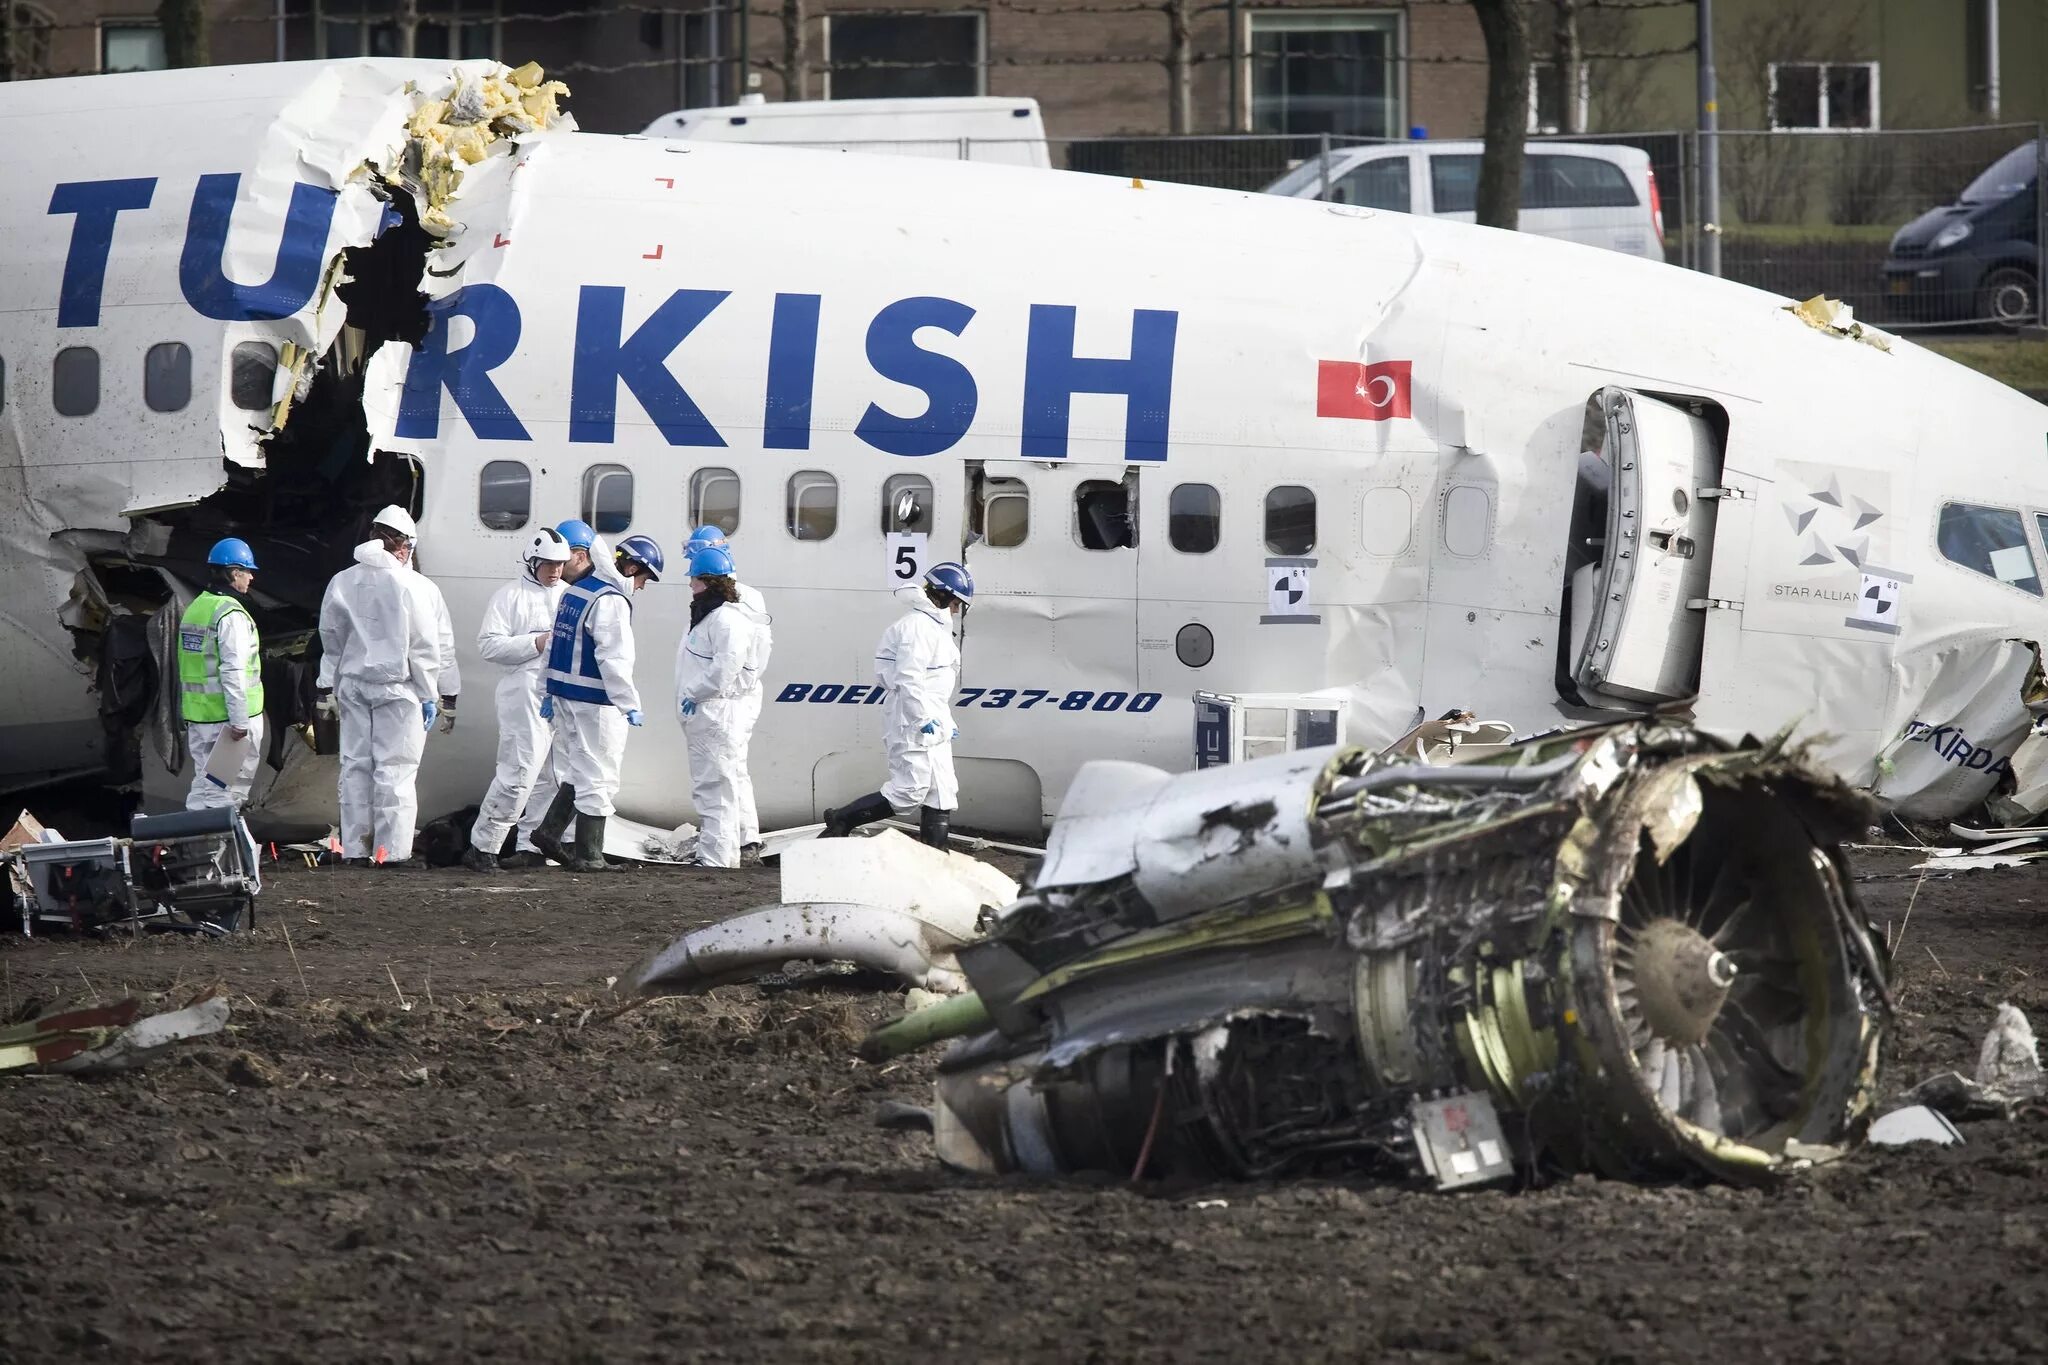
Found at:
<point>1629,949</point>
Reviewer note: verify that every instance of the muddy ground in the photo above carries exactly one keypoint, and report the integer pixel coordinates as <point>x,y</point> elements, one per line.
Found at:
<point>479,1171</point>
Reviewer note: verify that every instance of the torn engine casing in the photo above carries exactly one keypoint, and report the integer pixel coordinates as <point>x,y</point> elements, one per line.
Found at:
<point>1630,949</point>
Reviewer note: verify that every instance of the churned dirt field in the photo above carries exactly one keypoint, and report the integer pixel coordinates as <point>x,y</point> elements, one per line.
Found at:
<point>486,1169</point>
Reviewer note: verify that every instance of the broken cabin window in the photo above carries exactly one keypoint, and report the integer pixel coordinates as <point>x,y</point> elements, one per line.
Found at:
<point>715,499</point>
<point>608,498</point>
<point>907,503</point>
<point>75,381</point>
<point>1988,540</point>
<point>167,376</point>
<point>1194,518</point>
<point>1102,514</point>
<point>1290,520</point>
<point>504,495</point>
<point>813,507</point>
<point>252,374</point>
<point>1002,511</point>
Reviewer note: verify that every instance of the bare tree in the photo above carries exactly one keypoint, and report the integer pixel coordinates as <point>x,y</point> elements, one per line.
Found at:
<point>1505,25</point>
<point>183,23</point>
<point>1567,62</point>
<point>795,84</point>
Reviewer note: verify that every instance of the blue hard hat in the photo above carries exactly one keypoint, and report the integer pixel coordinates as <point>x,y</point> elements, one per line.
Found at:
<point>710,533</point>
<point>954,578</point>
<point>578,533</point>
<point>643,549</point>
<point>710,561</point>
<point>233,553</point>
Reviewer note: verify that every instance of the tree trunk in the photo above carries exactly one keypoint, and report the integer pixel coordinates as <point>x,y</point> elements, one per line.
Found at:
<point>408,18</point>
<point>1566,59</point>
<point>794,84</point>
<point>6,40</point>
<point>1180,67</point>
<point>184,27</point>
<point>1505,23</point>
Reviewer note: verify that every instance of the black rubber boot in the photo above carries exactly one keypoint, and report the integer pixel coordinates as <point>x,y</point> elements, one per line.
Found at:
<point>845,819</point>
<point>547,837</point>
<point>589,855</point>
<point>476,860</point>
<point>932,825</point>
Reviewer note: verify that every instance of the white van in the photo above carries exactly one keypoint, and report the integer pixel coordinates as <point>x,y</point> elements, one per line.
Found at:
<point>1596,193</point>
<point>964,128</point>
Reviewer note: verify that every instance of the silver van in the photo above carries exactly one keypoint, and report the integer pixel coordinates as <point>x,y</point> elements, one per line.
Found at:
<point>1596,193</point>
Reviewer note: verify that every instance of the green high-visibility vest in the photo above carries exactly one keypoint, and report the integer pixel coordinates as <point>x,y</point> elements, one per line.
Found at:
<point>199,659</point>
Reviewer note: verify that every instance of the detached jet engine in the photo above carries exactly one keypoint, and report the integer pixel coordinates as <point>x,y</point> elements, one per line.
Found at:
<point>1633,950</point>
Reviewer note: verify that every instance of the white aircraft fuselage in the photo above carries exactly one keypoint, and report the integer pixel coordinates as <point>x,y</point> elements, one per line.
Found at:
<point>1350,443</point>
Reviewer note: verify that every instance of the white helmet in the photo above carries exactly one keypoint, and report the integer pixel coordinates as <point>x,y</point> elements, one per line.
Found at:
<point>546,546</point>
<point>399,520</point>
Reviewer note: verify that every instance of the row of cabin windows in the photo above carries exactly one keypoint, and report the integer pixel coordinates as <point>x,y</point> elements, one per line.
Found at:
<point>1002,514</point>
<point>166,378</point>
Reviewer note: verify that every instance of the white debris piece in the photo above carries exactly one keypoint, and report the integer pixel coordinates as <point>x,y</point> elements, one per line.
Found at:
<point>2009,1059</point>
<point>1914,1123</point>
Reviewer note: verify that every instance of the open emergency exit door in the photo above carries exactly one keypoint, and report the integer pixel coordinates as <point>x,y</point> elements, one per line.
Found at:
<point>1639,614</point>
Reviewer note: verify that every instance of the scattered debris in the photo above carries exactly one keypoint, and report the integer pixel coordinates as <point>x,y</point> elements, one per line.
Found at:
<point>1837,319</point>
<point>1987,848</point>
<point>2008,1074</point>
<point>1630,949</point>
<point>190,871</point>
<point>1914,1123</point>
<point>886,903</point>
<point>105,1038</point>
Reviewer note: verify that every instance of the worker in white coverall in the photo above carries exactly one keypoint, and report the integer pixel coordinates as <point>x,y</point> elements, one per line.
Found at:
<point>711,686</point>
<point>432,601</point>
<point>517,626</point>
<point>380,666</point>
<point>591,698</point>
<point>918,664</point>
<point>747,714</point>
<point>220,675</point>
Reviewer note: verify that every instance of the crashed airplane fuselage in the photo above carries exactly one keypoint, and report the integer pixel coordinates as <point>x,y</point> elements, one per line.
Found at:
<point>1185,439</point>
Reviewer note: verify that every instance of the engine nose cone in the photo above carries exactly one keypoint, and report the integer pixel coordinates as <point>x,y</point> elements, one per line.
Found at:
<point>1681,980</point>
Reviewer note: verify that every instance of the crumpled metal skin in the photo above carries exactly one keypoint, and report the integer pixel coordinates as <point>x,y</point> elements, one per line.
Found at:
<point>1635,945</point>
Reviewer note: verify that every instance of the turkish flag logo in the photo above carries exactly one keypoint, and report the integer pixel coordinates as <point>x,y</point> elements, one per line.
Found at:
<point>1371,393</point>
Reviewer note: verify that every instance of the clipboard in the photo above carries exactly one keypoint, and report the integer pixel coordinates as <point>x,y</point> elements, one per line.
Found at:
<point>224,764</point>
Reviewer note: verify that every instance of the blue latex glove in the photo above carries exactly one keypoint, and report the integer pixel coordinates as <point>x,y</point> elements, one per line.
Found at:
<point>428,710</point>
<point>955,735</point>
<point>930,727</point>
<point>547,707</point>
<point>689,706</point>
<point>635,719</point>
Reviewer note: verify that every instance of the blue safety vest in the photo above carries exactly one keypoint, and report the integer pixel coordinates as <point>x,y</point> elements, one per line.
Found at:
<point>573,673</point>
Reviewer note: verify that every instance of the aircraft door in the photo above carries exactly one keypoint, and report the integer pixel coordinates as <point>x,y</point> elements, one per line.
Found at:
<point>1639,617</point>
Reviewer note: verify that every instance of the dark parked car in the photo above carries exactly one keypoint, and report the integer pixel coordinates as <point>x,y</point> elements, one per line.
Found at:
<point>1978,258</point>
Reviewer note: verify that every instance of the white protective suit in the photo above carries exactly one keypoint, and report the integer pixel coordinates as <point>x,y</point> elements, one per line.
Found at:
<point>590,740</point>
<point>747,710</point>
<point>711,670</point>
<point>919,666</point>
<point>236,637</point>
<point>442,628</point>
<point>514,635</point>
<point>382,656</point>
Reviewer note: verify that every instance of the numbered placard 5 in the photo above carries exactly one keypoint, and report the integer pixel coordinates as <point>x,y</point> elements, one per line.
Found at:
<point>908,558</point>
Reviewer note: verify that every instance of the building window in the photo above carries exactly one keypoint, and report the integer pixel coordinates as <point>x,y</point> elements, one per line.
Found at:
<point>167,376</point>
<point>75,381</point>
<point>907,503</point>
<point>715,499</point>
<point>1290,520</point>
<point>252,373</point>
<point>1823,95</point>
<point>504,495</point>
<point>1546,107</point>
<point>1003,512</point>
<point>813,506</point>
<point>132,47</point>
<point>1194,518</point>
<point>608,498</point>
<point>894,56</point>
<point>1326,73</point>
<point>461,29</point>
<point>1988,540</point>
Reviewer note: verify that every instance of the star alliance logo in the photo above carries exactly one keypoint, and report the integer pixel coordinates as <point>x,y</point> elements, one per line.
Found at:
<point>1830,520</point>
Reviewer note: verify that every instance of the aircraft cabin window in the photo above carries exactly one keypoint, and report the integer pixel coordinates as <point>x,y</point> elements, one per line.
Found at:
<point>715,499</point>
<point>1194,518</point>
<point>504,495</point>
<point>75,386</point>
<point>1988,540</point>
<point>252,372</point>
<point>1468,518</point>
<point>608,498</point>
<point>1102,514</point>
<point>907,503</point>
<point>1002,512</point>
<point>813,506</point>
<point>167,376</point>
<point>1290,520</point>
